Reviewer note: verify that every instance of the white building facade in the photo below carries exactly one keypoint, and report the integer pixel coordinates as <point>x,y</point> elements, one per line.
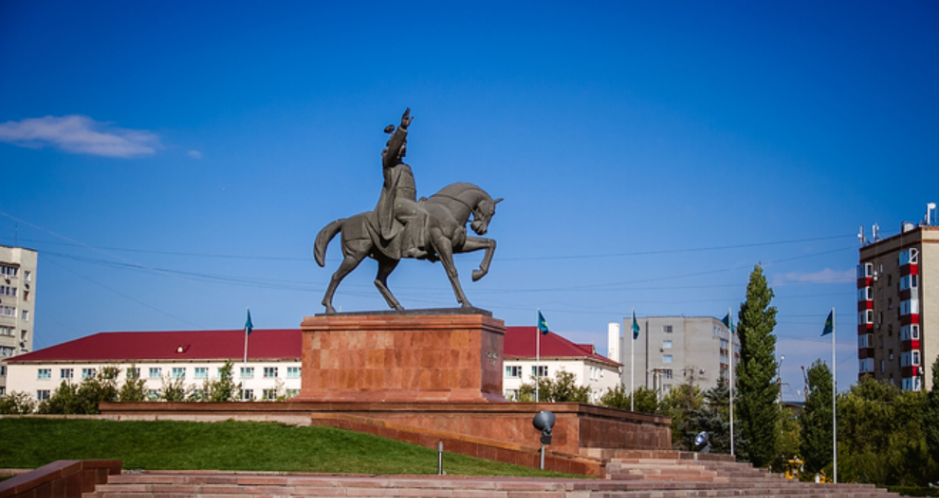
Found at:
<point>521,364</point>
<point>17,304</point>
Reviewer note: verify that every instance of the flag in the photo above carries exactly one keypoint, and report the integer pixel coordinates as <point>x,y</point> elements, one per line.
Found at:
<point>542,324</point>
<point>829,324</point>
<point>728,322</point>
<point>248,325</point>
<point>635,326</point>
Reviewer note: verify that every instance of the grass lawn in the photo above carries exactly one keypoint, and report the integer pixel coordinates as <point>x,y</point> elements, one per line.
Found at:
<point>34,442</point>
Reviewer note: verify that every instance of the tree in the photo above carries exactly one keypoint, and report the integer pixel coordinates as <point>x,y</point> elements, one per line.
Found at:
<point>713,417</point>
<point>172,389</point>
<point>757,389</point>
<point>64,401</point>
<point>647,400</point>
<point>787,444</point>
<point>680,404</point>
<point>815,422</point>
<point>223,389</point>
<point>563,389</point>
<point>931,414</point>
<point>17,403</point>
<point>134,388</point>
<point>83,399</point>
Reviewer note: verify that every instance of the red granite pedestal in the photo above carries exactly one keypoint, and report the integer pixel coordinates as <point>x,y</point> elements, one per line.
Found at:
<point>402,358</point>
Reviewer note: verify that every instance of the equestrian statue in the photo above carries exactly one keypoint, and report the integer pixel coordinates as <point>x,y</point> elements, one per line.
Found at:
<point>401,226</point>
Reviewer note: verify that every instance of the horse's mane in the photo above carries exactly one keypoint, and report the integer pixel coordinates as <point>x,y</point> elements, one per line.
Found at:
<point>455,189</point>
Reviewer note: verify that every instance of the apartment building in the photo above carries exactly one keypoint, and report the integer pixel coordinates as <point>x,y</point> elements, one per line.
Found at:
<point>672,350</point>
<point>17,304</point>
<point>272,368</point>
<point>898,305</point>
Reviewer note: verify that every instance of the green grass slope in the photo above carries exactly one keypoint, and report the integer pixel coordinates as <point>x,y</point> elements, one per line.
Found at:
<point>33,442</point>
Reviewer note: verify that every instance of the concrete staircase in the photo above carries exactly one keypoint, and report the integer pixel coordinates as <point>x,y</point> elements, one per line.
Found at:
<point>632,478</point>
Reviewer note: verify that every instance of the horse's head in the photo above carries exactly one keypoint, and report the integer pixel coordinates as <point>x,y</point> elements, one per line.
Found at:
<point>482,214</point>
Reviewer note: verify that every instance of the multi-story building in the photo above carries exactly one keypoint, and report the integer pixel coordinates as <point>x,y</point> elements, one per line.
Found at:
<point>17,304</point>
<point>671,350</point>
<point>521,364</point>
<point>272,368</point>
<point>898,306</point>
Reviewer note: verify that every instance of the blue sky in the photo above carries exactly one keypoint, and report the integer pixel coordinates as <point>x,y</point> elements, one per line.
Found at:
<point>173,162</point>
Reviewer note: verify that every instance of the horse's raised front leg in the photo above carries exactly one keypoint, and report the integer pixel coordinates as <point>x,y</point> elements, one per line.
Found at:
<point>444,248</point>
<point>353,256</point>
<point>385,267</point>
<point>475,244</point>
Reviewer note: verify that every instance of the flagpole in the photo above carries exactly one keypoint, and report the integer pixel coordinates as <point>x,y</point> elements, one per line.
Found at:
<point>245,362</point>
<point>632,366</point>
<point>730,324</point>
<point>538,359</point>
<point>834,397</point>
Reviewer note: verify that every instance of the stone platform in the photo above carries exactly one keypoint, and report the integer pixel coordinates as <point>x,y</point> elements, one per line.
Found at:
<point>433,355</point>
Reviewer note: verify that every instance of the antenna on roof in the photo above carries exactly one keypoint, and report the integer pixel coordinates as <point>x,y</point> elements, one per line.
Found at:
<point>875,232</point>
<point>931,214</point>
<point>860,236</point>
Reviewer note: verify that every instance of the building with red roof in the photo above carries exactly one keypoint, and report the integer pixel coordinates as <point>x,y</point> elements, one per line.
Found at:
<point>529,354</point>
<point>192,357</point>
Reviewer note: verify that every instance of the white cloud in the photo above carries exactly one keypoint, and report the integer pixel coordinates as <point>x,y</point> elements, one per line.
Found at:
<point>194,154</point>
<point>825,276</point>
<point>79,135</point>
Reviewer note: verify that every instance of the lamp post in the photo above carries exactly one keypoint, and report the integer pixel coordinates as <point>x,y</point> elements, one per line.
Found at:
<point>782,358</point>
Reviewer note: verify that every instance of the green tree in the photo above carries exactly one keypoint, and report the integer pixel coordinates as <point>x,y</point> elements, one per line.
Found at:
<point>787,444</point>
<point>681,404</point>
<point>224,388</point>
<point>172,389</point>
<point>757,389</point>
<point>931,414</point>
<point>816,442</point>
<point>17,403</point>
<point>64,401</point>
<point>562,389</point>
<point>134,388</point>
<point>713,417</point>
<point>647,400</point>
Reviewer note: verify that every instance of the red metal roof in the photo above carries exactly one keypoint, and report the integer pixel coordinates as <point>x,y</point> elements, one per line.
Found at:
<point>520,343</point>
<point>281,344</point>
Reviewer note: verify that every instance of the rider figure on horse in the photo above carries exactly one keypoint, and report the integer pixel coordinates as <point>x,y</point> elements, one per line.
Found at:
<point>398,212</point>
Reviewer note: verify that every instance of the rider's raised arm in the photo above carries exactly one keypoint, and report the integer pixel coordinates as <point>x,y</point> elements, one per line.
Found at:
<point>391,156</point>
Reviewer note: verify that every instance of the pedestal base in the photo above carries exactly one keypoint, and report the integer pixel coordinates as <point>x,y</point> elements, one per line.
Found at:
<point>402,358</point>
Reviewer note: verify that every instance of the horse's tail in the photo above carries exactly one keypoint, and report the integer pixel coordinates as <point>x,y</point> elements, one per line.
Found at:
<point>323,239</point>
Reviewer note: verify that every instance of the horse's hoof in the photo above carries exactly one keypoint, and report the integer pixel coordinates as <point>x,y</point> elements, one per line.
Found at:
<point>478,274</point>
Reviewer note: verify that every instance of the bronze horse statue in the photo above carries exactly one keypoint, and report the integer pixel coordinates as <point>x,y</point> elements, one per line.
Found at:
<point>448,212</point>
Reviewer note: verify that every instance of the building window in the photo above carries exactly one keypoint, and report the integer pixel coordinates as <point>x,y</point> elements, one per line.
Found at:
<point>156,373</point>
<point>42,395</point>
<point>66,373</point>
<point>866,365</point>
<point>6,290</point>
<point>293,372</point>
<point>9,271</point>
<point>882,368</point>
<point>667,344</point>
<point>865,270</point>
<point>179,372</point>
<point>667,329</point>
<point>3,370</point>
<point>247,373</point>
<point>667,373</point>
<point>8,331</point>
<point>667,358</point>
<point>269,394</point>
<point>909,307</point>
<point>201,373</point>
<point>5,351</point>
<point>26,296</point>
<point>914,357</point>
<point>247,395</point>
<point>153,394</point>
<point>270,372</point>
<point>3,391</point>
<point>27,276</point>
<point>865,294</point>
<point>25,315</point>
<point>44,373</point>
<point>292,392</point>
<point>132,373</point>
<point>513,371</point>
<point>7,311</point>
<point>909,257</point>
<point>88,373</point>
<point>539,371</point>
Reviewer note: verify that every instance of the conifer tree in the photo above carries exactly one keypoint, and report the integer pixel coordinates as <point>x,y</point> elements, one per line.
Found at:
<point>757,388</point>
<point>931,414</point>
<point>816,444</point>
